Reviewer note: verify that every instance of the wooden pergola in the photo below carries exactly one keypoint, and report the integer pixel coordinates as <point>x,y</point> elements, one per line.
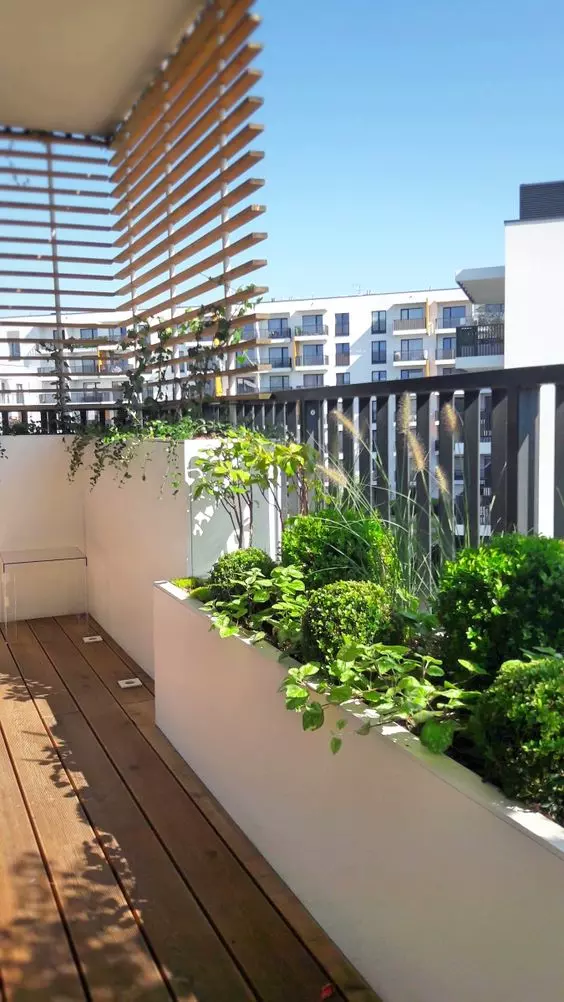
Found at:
<point>126,174</point>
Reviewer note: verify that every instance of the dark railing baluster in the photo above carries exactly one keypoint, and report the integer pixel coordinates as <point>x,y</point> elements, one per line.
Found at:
<point>471,435</point>
<point>53,423</point>
<point>559,463</point>
<point>382,491</point>
<point>422,486</point>
<point>447,419</point>
<point>292,419</point>
<point>402,506</point>
<point>248,415</point>
<point>43,422</point>
<point>364,445</point>
<point>499,461</point>
<point>527,456</point>
<point>279,417</point>
<point>512,433</point>
<point>5,422</point>
<point>84,418</point>
<point>348,437</point>
<point>311,424</point>
<point>239,414</point>
<point>332,441</point>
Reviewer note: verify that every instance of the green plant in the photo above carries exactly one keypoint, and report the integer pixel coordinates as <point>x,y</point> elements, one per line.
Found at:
<point>187,584</point>
<point>518,726</point>
<point>340,544</point>
<point>380,684</point>
<point>268,605</point>
<point>345,610</point>
<point>229,573</point>
<point>245,463</point>
<point>503,598</point>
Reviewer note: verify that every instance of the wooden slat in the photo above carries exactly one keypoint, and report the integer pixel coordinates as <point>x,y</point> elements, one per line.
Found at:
<point>175,141</point>
<point>61,225</point>
<point>107,941</point>
<point>227,175</point>
<point>201,267</point>
<point>246,215</point>
<point>75,193</point>
<point>241,296</point>
<point>12,151</point>
<point>197,962</point>
<point>46,173</point>
<point>40,207</point>
<point>62,274</point>
<point>35,955</point>
<point>181,76</point>
<point>190,156</point>
<point>208,286</point>
<point>273,959</point>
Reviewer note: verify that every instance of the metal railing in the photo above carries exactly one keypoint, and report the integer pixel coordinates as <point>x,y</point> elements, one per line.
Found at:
<point>480,340</point>
<point>308,414</point>
<point>409,324</point>
<point>411,355</point>
<point>280,363</point>
<point>282,332</point>
<point>449,323</point>
<point>445,354</point>
<point>304,360</point>
<point>320,330</point>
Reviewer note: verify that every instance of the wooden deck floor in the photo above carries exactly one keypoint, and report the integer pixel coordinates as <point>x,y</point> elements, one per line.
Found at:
<point>120,876</point>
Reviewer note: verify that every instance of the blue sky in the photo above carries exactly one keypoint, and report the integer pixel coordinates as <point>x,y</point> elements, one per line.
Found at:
<point>397,134</point>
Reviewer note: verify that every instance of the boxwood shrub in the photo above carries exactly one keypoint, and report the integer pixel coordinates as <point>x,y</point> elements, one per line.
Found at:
<point>338,545</point>
<point>501,599</point>
<point>518,727</point>
<point>228,573</point>
<point>357,609</point>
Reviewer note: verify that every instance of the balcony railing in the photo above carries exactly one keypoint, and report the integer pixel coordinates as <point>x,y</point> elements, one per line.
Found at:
<point>448,323</point>
<point>480,340</point>
<point>342,358</point>
<point>445,354</point>
<point>411,355</point>
<point>313,360</point>
<point>280,363</point>
<point>410,324</point>
<point>280,332</point>
<point>320,330</point>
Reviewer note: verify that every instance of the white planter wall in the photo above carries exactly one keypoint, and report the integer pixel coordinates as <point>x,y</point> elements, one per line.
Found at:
<point>40,509</point>
<point>429,881</point>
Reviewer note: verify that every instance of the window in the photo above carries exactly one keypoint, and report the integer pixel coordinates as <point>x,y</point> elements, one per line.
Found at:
<point>411,348</point>
<point>278,327</point>
<point>15,345</point>
<point>452,315</point>
<point>343,378</point>
<point>341,325</point>
<point>4,390</point>
<point>88,333</point>
<point>494,309</point>
<point>246,386</point>
<point>88,365</point>
<point>19,393</point>
<point>114,333</point>
<point>378,352</point>
<point>459,468</point>
<point>343,354</point>
<point>446,370</point>
<point>448,344</point>
<point>410,373</point>
<point>379,376</point>
<point>279,357</point>
<point>279,382</point>
<point>378,321</point>
<point>313,354</point>
<point>248,330</point>
<point>312,323</point>
<point>313,379</point>
<point>412,313</point>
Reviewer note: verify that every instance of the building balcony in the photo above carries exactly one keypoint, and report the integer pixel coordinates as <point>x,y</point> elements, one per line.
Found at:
<point>311,361</point>
<point>445,355</point>
<point>280,363</point>
<point>320,331</point>
<point>415,356</point>
<point>480,346</point>
<point>414,325</point>
<point>266,335</point>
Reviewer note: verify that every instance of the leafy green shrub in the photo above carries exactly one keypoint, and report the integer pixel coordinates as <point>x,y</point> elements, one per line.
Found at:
<point>501,599</point>
<point>228,573</point>
<point>187,584</point>
<point>337,545</point>
<point>267,606</point>
<point>518,727</point>
<point>341,610</point>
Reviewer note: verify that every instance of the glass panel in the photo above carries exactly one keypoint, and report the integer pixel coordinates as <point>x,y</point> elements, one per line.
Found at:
<point>412,313</point>
<point>312,321</point>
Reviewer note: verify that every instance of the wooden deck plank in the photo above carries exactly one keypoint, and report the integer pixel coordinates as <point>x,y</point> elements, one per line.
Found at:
<point>35,954</point>
<point>275,961</point>
<point>125,657</point>
<point>106,663</point>
<point>198,964</point>
<point>339,970</point>
<point>112,952</point>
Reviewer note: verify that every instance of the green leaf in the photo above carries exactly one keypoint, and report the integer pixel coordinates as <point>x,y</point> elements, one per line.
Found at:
<point>313,717</point>
<point>335,744</point>
<point>437,735</point>
<point>434,671</point>
<point>473,668</point>
<point>341,724</point>
<point>364,729</point>
<point>340,693</point>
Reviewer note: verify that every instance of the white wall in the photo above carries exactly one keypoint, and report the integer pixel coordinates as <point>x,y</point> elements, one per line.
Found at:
<point>410,863</point>
<point>40,509</point>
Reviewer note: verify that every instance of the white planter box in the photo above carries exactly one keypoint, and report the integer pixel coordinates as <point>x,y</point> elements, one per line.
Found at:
<point>435,886</point>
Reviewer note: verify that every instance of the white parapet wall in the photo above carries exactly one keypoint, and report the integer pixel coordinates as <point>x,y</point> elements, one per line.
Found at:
<point>133,531</point>
<point>435,886</point>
